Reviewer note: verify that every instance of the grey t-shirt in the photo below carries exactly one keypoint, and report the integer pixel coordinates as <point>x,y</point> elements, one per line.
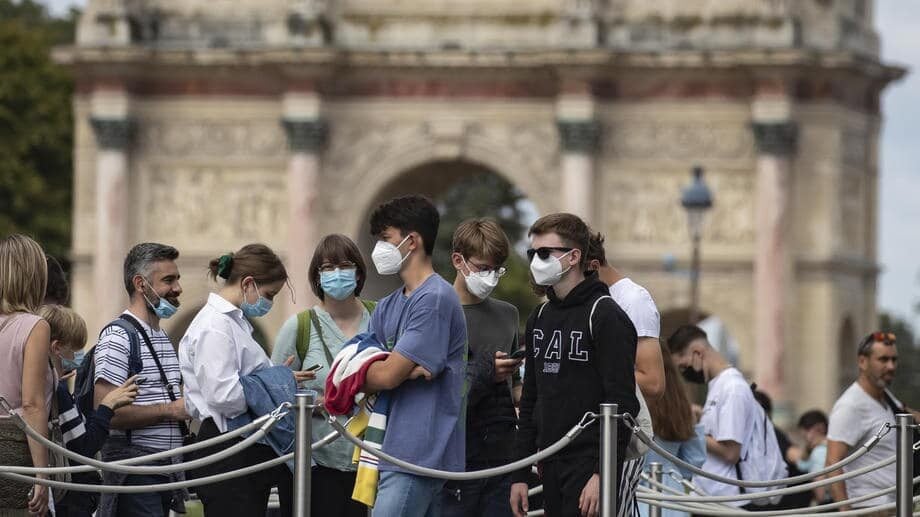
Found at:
<point>492,326</point>
<point>855,418</point>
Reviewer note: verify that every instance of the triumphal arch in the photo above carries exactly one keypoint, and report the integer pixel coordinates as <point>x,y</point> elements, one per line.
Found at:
<point>211,124</point>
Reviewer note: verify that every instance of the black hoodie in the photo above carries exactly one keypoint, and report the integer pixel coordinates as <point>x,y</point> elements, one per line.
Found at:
<point>567,373</point>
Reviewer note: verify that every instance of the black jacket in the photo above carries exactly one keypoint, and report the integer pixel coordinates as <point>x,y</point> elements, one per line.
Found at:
<point>567,373</point>
<point>490,415</point>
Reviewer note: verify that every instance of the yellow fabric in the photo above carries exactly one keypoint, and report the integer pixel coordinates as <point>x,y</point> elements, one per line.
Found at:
<point>367,477</point>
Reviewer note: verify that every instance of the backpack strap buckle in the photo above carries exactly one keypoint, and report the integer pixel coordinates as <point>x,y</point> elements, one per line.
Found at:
<point>6,406</point>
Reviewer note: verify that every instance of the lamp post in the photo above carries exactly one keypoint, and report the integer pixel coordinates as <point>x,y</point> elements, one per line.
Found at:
<point>696,200</point>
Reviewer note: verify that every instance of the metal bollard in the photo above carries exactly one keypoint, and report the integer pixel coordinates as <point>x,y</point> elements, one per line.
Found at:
<point>608,460</point>
<point>905,464</point>
<point>655,470</point>
<point>303,452</point>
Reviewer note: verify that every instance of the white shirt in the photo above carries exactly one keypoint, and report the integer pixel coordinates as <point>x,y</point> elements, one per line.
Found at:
<point>638,304</point>
<point>855,418</point>
<point>216,350</point>
<point>732,413</point>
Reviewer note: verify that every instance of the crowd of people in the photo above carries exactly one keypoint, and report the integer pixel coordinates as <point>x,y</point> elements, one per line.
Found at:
<point>445,376</point>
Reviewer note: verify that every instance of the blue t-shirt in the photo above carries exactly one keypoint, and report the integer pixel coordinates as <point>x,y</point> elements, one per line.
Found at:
<point>426,422</point>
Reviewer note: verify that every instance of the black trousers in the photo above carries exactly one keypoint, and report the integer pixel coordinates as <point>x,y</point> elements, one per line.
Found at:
<point>563,482</point>
<point>331,493</point>
<point>246,495</point>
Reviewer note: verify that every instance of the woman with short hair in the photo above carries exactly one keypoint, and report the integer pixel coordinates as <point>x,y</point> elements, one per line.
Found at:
<point>312,339</point>
<point>26,378</point>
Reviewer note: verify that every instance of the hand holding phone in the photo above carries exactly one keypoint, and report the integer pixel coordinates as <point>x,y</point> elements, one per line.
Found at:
<point>518,354</point>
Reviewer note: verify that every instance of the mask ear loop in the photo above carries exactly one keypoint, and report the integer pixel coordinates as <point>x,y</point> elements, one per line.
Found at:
<point>290,287</point>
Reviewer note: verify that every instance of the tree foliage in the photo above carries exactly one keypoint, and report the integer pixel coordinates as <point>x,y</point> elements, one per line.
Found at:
<point>36,127</point>
<point>487,195</point>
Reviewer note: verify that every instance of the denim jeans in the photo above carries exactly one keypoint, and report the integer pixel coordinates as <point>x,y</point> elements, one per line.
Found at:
<point>148,504</point>
<point>488,497</point>
<point>407,495</point>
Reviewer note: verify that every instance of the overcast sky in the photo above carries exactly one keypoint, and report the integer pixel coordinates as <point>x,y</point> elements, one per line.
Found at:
<point>899,221</point>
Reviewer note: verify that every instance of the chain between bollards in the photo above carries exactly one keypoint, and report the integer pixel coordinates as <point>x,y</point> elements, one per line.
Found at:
<point>303,453</point>
<point>608,418</point>
<point>656,471</point>
<point>905,465</point>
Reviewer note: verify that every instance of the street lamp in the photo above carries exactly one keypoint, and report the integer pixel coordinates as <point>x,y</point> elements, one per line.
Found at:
<point>696,200</point>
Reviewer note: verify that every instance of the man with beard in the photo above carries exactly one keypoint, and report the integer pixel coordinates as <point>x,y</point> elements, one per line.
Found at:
<point>858,414</point>
<point>135,344</point>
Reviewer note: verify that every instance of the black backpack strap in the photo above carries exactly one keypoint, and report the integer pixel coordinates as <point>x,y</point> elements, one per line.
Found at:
<point>169,387</point>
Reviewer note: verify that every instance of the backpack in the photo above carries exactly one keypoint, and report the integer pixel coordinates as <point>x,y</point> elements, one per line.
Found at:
<point>85,382</point>
<point>771,465</point>
<point>305,321</point>
<point>636,448</point>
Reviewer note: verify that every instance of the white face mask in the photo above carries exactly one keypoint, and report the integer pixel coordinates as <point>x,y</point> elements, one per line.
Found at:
<point>548,272</point>
<point>387,258</point>
<point>480,284</point>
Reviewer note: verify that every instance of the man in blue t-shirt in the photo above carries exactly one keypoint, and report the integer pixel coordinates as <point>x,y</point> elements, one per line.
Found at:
<point>423,326</point>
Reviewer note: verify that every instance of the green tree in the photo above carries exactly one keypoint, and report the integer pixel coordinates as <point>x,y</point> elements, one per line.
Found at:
<point>36,126</point>
<point>906,384</point>
<point>486,194</point>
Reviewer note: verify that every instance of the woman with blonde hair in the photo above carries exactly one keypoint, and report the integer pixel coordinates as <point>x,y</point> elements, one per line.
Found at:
<point>26,379</point>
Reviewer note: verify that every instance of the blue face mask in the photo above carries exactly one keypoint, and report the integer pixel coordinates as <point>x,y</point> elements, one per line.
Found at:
<point>339,284</point>
<point>258,309</point>
<point>163,309</point>
<point>72,364</point>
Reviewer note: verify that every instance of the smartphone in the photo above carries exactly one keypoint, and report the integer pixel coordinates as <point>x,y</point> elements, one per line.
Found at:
<point>315,367</point>
<point>140,379</point>
<point>518,354</point>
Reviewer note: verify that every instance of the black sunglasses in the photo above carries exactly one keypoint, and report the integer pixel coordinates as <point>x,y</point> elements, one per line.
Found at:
<point>545,252</point>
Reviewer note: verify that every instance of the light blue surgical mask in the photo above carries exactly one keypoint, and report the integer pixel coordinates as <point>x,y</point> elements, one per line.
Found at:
<point>339,284</point>
<point>258,309</point>
<point>163,309</point>
<point>72,364</point>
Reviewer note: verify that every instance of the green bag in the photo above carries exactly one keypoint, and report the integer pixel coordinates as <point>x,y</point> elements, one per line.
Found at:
<point>305,322</point>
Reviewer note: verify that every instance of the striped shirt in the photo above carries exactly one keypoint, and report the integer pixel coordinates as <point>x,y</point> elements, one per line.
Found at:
<point>111,359</point>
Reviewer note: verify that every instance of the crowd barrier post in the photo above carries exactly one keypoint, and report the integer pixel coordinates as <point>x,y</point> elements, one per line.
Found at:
<point>905,464</point>
<point>656,471</point>
<point>608,487</point>
<point>303,453</point>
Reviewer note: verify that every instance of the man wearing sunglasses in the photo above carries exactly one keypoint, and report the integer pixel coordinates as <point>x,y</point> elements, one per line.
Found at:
<point>858,414</point>
<point>581,352</point>
<point>479,250</point>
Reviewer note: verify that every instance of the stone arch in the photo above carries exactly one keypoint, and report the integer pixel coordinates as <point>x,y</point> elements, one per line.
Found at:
<point>846,354</point>
<point>526,155</point>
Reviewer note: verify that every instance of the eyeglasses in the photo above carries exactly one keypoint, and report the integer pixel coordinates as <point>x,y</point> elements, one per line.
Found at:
<point>887,338</point>
<point>485,270</point>
<point>328,268</point>
<point>545,252</point>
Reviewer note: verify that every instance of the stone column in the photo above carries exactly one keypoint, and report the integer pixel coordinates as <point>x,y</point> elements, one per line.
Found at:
<point>306,134</point>
<point>776,145</point>
<point>112,214</point>
<point>579,139</point>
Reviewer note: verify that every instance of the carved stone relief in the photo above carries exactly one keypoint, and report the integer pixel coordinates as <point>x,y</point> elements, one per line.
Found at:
<point>678,140</point>
<point>852,213</point>
<point>854,148</point>
<point>644,207</point>
<point>244,205</point>
<point>212,138</point>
